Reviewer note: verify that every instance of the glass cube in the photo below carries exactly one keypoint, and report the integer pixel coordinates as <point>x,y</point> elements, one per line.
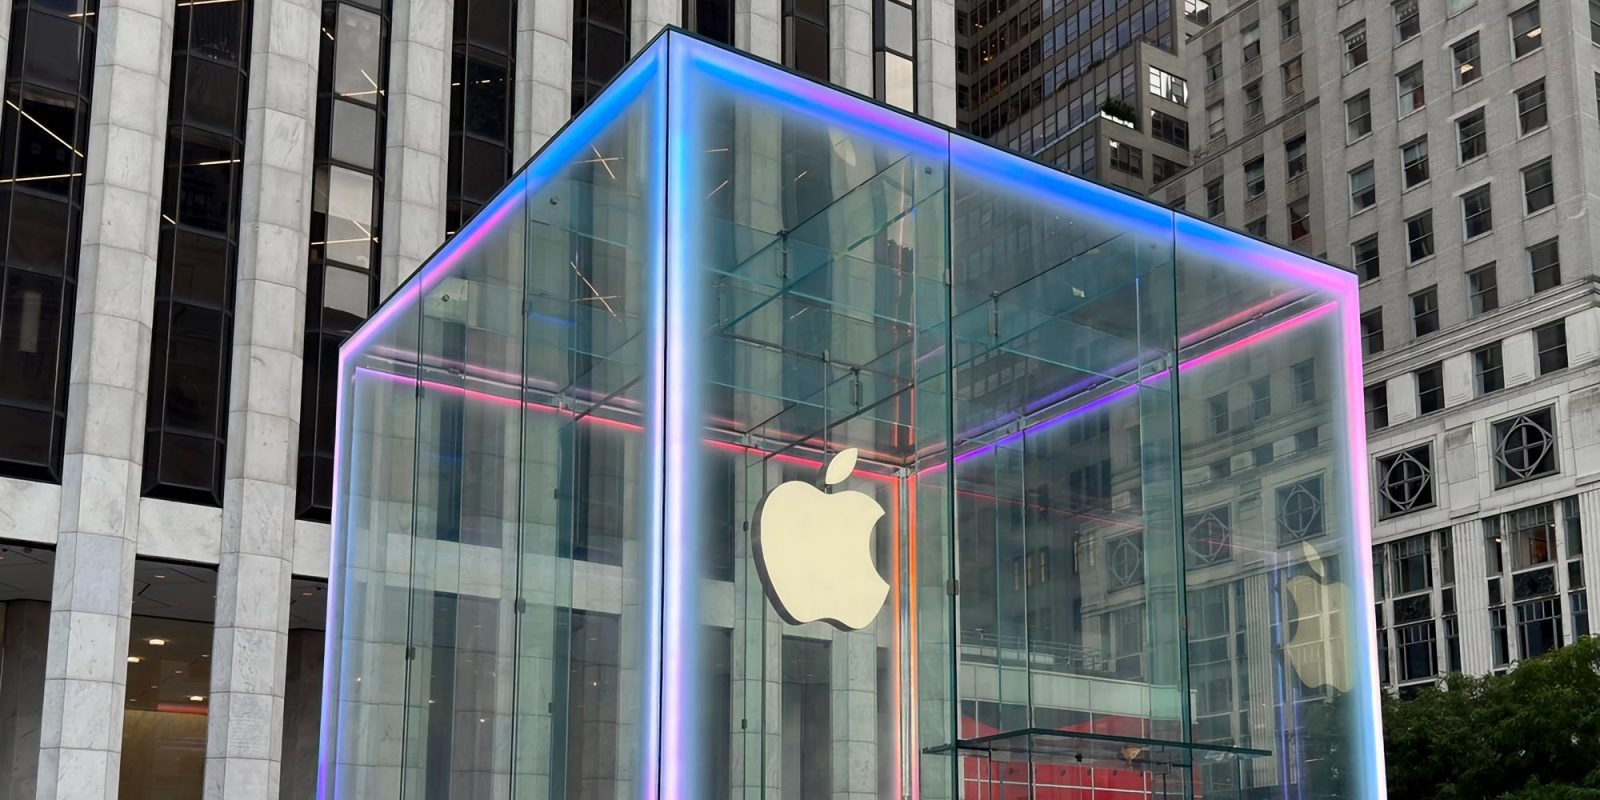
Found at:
<point>762,441</point>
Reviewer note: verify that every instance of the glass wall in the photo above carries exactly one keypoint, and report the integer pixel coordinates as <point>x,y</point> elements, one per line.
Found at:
<point>760,441</point>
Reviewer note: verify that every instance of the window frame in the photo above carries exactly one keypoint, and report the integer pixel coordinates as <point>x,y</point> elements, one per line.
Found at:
<point>1517,42</point>
<point>1489,368</point>
<point>1363,188</point>
<point>1425,312</point>
<point>1483,215</point>
<point>1356,260</point>
<point>1538,272</point>
<point>1425,239</point>
<point>1416,96</point>
<point>1355,48</point>
<point>1358,117</point>
<point>1408,164</point>
<point>1483,299</point>
<point>1480,139</point>
<point>1548,188</point>
<point>1474,65</point>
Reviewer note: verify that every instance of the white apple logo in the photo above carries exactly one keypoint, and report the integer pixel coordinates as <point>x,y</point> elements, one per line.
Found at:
<point>814,551</point>
<point>1310,651</point>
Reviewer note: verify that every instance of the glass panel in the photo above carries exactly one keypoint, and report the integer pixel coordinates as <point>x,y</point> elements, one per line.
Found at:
<point>169,681</point>
<point>1301,560</point>
<point>808,252</point>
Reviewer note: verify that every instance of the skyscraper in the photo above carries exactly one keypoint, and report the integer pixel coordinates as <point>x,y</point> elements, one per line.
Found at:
<point>1452,143</point>
<point>203,199</point>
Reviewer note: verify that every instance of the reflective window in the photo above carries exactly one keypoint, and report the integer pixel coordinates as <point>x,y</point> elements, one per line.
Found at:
<point>1483,290</point>
<point>190,354</point>
<point>482,66</point>
<point>1410,86</point>
<point>1538,186</point>
<point>1488,368</point>
<point>1544,260</point>
<point>894,35</point>
<point>346,214</point>
<point>600,46</point>
<point>805,37</point>
<point>1364,256</point>
<point>712,19</point>
<point>1524,449</point>
<point>1372,331</point>
<point>1472,134</point>
<point>1477,212</point>
<point>1468,61</point>
<point>1414,162</point>
<point>44,128</point>
<point>1526,30</point>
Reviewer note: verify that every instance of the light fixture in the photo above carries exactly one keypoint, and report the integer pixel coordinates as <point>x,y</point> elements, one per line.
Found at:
<point>157,642</point>
<point>134,659</point>
<point>197,698</point>
<point>160,576</point>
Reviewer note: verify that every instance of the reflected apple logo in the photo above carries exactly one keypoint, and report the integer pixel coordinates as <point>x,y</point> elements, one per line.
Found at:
<point>814,551</point>
<point>1310,650</point>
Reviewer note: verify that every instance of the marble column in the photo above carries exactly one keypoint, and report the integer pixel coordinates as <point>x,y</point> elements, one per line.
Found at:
<point>758,28</point>
<point>244,732</point>
<point>543,76</point>
<point>936,60</point>
<point>86,670</point>
<point>302,709</point>
<point>649,17</point>
<point>22,650</point>
<point>850,45</point>
<point>418,131</point>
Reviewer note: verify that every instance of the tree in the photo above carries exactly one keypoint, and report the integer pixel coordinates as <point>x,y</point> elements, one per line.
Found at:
<point>1531,734</point>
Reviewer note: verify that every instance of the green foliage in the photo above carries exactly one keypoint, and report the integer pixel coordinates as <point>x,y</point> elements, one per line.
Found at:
<point>1531,734</point>
<point>1120,109</point>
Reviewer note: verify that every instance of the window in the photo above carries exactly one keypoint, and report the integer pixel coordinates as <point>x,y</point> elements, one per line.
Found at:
<point>1257,227</point>
<point>1372,332</point>
<point>1300,219</point>
<point>1162,169</point>
<point>1545,261</point>
<point>1413,558</point>
<point>1531,111</point>
<point>1168,85</point>
<point>1418,653</point>
<point>1363,194</point>
<point>1260,398</point>
<point>1524,448</point>
<point>1539,626</point>
<point>1261,455</point>
<point>1214,64</point>
<point>1355,46</point>
<point>712,19</point>
<point>1358,116</point>
<point>1430,388</point>
<point>1214,199</point>
<point>894,46</point>
<point>1292,78</point>
<point>1419,236</point>
<point>1169,129</point>
<point>1468,60</point>
<point>1294,156</point>
<point>1477,211</point>
<point>1414,162</point>
<point>1216,120</point>
<point>1253,107</point>
<point>1488,368</point>
<point>1251,38</point>
<point>1526,33</point>
<point>1364,255</point>
<point>1471,133</point>
<point>1483,290</point>
<point>1594,21</point>
<point>1409,84</point>
<point>1198,11</point>
<point>1255,178</point>
<point>1538,186</point>
<point>1550,343</point>
<point>1304,375</point>
<point>1425,312</point>
<point>1127,158</point>
<point>1289,19</point>
<point>1377,400</point>
<point>1300,510</point>
<point>1217,412</point>
<point>1405,484</point>
<point>1407,22</point>
<point>805,38</point>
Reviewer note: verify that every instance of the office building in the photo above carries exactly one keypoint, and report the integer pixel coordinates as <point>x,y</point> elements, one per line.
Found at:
<point>762,441</point>
<point>1453,143</point>
<point>1097,89</point>
<point>202,201</point>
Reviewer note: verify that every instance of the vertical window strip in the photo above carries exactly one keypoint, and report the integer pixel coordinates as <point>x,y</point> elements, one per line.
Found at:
<point>894,53</point>
<point>600,44</point>
<point>346,208</point>
<point>805,37</point>
<point>482,66</point>
<point>44,123</point>
<point>186,421</point>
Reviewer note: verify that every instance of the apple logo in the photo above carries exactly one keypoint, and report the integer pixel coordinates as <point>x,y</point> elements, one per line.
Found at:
<point>814,551</point>
<point>1310,649</point>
